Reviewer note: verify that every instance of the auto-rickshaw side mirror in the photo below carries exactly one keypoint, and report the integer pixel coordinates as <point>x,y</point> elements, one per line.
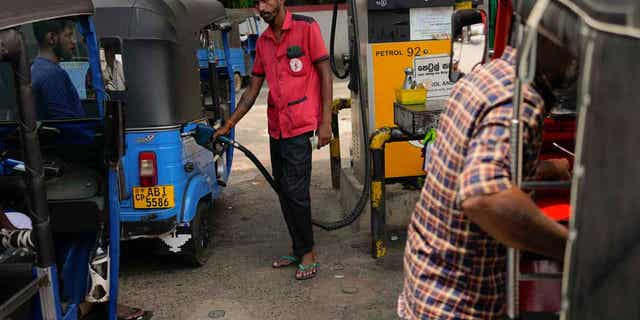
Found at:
<point>469,42</point>
<point>114,127</point>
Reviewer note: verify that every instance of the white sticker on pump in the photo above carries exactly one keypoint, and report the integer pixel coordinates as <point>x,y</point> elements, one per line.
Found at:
<point>433,69</point>
<point>430,23</point>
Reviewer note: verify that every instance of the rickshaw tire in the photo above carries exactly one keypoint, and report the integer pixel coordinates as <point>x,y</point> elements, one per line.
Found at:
<point>196,249</point>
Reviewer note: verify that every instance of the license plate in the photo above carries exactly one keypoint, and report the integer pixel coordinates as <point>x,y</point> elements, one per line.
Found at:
<point>158,197</point>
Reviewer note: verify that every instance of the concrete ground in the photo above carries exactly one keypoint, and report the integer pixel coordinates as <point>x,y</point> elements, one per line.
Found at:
<point>238,282</point>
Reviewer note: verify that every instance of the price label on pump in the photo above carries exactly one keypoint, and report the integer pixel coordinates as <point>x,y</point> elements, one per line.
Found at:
<point>433,69</point>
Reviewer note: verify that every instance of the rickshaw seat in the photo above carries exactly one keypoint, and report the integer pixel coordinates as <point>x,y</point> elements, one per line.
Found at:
<point>72,199</point>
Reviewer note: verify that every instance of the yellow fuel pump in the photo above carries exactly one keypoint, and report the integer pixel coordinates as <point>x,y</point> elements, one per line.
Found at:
<point>395,36</point>
<point>399,81</point>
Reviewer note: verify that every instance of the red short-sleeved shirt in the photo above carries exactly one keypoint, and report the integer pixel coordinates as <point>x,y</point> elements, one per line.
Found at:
<point>295,101</point>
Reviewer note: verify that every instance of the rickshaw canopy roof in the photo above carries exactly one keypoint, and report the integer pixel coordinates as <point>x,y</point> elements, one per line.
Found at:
<point>152,19</point>
<point>193,15</point>
<point>565,20</point>
<point>130,19</point>
<point>619,13</point>
<point>160,43</point>
<point>16,13</point>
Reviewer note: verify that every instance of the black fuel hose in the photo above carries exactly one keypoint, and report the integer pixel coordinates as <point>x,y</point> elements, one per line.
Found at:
<point>253,159</point>
<point>332,56</point>
<point>355,73</point>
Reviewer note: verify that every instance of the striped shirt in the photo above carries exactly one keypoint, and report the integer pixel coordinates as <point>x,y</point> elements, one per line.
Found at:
<point>453,269</point>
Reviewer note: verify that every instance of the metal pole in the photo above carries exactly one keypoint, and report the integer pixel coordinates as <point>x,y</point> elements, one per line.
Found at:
<point>336,162</point>
<point>232,93</point>
<point>213,87</point>
<point>513,262</point>
<point>525,71</point>
<point>378,207</point>
<point>377,198</point>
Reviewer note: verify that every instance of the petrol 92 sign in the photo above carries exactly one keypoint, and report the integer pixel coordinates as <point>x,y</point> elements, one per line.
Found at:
<point>417,51</point>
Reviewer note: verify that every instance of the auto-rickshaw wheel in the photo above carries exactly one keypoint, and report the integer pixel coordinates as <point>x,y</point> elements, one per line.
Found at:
<point>195,249</point>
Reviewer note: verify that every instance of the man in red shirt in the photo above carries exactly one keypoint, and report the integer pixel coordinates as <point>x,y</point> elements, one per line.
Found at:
<point>292,56</point>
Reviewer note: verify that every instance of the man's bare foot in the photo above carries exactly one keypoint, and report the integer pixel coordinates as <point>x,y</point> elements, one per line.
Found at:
<point>284,261</point>
<point>308,267</point>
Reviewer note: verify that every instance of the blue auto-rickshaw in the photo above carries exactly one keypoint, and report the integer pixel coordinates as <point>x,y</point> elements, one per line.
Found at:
<point>240,54</point>
<point>59,177</point>
<point>169,181</point>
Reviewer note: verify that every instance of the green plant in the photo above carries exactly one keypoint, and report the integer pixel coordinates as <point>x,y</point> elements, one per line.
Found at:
<point>236,4</point>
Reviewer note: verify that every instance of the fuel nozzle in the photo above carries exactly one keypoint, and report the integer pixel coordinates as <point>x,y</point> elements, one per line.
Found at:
<point>204,137</point>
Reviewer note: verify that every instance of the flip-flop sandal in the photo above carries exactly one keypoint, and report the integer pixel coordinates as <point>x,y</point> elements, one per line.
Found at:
<point>313,268</point>
<point>284,261</point>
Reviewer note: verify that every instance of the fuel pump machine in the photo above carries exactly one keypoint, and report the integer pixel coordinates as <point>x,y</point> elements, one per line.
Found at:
<point>400,35</point>
<point>399,82</point>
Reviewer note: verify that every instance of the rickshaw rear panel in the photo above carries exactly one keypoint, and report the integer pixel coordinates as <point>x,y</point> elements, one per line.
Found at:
<point>181,164</point>
<point>167,176</point>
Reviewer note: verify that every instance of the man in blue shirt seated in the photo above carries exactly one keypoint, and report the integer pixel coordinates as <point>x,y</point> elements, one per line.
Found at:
<point>55,95</point>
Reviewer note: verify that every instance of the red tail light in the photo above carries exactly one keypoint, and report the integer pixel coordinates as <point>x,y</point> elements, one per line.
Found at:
<point>148,167</point>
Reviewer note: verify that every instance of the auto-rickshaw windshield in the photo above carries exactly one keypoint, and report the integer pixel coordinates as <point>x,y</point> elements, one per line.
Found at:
<point>60,73</point>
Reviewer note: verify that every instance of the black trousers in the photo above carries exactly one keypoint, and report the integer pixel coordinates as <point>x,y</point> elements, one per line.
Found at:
<point>291,165</point>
